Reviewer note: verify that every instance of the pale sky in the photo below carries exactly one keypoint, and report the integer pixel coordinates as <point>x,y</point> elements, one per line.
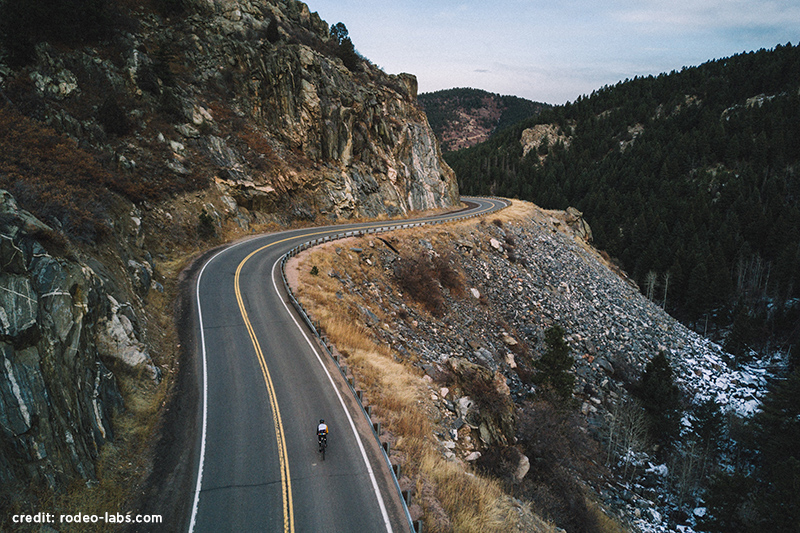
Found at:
<point>554,51</point>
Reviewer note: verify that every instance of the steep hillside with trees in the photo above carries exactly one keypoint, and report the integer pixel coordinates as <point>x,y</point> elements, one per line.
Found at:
<point>463,117</point>
<point>689,178</point>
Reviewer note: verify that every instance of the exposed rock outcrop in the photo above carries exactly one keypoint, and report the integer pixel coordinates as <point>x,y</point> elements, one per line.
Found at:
<point>542,135</point>
<point>578,224</point>
<point>489,410</point>
<point>283,127</point>
<point>366,129</point>
<point>56,393</point>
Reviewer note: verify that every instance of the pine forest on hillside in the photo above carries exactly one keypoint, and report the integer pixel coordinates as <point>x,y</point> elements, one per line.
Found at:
<point>689,179</point>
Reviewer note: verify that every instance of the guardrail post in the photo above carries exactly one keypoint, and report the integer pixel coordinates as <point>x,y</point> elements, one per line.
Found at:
<point>376,427</point>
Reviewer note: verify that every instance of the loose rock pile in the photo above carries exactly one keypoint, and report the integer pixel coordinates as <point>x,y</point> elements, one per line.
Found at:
<point>520,278</point>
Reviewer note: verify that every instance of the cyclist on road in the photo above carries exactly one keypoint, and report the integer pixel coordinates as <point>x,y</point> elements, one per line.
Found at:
<point>322,433</point>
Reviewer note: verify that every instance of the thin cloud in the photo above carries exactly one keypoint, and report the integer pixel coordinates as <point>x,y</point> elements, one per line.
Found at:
<point>557,51</point>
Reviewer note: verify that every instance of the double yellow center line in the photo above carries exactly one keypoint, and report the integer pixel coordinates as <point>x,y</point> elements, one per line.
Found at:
<point>286,480</point>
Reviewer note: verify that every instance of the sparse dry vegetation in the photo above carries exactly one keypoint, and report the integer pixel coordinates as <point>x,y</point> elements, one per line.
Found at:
<point>452,498</point>
<point>50,177</point>
<point>65,186</point>
<point>122,463</point>
<point>417,277</point>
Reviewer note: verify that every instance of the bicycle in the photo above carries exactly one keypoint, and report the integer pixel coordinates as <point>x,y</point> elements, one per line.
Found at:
<point>323,443</point>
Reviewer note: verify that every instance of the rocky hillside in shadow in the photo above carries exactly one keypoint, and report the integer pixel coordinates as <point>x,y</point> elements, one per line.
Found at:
<point>462,118</point>
<point>158,130</point>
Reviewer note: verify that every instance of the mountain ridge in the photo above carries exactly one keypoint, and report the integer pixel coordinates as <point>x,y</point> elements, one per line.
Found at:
<point>683,175</point>
<point>463,117</point>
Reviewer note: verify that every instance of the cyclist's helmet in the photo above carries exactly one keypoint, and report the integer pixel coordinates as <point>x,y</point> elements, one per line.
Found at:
<point>321,421</point>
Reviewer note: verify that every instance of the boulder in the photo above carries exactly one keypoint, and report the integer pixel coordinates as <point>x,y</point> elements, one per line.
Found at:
<point>116,340</point>
<point>523,466</point>
<point>491,411</point>
<point>578,224</point>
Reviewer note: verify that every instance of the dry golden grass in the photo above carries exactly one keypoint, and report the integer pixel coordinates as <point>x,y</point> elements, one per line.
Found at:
<point>518,210</point>
<point>606,523</point>
<point>474,503</point>
<point>399,394</point>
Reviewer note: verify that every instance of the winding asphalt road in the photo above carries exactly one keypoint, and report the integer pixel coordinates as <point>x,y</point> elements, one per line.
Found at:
<point>265,385</point>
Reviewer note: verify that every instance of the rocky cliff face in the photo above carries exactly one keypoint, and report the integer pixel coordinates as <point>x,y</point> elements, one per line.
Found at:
<point>366,146</point>
<point>236,112</point>
<point>57,319</point>
<point>273,117</point>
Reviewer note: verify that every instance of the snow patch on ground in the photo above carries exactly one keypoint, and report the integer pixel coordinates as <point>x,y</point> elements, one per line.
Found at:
<point>702,370</point>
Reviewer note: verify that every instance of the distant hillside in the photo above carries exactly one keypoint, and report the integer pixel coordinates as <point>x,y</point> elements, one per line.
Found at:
<point>689,178</point>
<point>461,118</point>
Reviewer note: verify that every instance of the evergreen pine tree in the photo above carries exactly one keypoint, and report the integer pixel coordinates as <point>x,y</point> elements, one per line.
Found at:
<point>660,398</point>
<point>345,50</point>
<point>729,506</point>
<point>778,435</point>
<point>554,365</point>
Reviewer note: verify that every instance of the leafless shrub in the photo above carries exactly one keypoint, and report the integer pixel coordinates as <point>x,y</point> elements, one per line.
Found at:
<point>491,402</point>
<point>423,278</point>
<point>500,462</point>
<point>688,469</point>
<point>54,242</point>
<point>448,276</point>
<point>417,278</point>
<point>626,435</point>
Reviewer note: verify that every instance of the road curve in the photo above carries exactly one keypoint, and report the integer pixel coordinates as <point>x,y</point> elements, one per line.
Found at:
<point>264,387</point>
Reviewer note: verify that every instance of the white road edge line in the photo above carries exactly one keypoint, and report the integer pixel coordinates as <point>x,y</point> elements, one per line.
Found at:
<point>205,387</point>
<point>205,400</point>
<point>374,481</point>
